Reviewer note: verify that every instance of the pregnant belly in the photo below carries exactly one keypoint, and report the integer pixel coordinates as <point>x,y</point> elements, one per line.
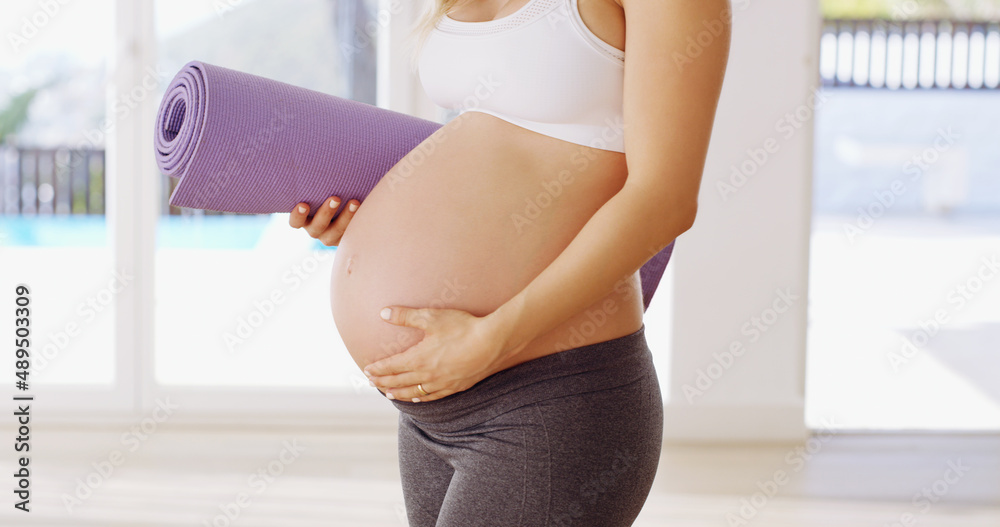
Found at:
<point>465,221</point>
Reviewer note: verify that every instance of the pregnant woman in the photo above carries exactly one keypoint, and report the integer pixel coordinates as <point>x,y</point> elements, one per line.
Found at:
<point>489,284</point>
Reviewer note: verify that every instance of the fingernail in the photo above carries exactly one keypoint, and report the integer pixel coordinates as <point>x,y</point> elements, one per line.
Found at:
<point>416,399</point>
<point>371,383</point>
<point>385,313</point>
<point>352,207</point>
<point>334,203</point>
<point>388,395</point>
<point>301,208</point>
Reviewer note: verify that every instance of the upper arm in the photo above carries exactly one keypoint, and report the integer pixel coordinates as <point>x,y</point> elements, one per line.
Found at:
<point>676,56</point>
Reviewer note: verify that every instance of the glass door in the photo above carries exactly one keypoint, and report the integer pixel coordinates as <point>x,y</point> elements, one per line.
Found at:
<point>242,311</point>
<point>904,318</point>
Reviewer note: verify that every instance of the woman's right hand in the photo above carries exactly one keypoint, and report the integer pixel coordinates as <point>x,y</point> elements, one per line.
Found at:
<point>320,225</point>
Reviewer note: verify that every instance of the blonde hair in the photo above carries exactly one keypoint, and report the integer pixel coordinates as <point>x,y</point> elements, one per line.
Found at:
<point>433,12</point>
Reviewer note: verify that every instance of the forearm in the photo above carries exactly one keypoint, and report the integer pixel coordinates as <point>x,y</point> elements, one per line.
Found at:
<point>618,239</point>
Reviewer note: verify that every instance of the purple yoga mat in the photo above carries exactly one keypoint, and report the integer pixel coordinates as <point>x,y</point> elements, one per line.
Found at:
<point>243,143</point>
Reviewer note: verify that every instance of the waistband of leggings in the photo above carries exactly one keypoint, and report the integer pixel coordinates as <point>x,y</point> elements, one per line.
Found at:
<point>592,367</point>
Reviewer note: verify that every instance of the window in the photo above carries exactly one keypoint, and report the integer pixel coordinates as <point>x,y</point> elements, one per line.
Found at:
<point>169,302</point>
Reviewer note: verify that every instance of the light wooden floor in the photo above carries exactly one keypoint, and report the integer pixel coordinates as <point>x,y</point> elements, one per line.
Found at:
<point>186,477</point>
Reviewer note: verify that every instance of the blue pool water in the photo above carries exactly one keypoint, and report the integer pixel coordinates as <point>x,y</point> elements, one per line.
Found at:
<point>203,232</point>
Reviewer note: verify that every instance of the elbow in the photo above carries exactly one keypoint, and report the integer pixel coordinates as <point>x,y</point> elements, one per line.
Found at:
<point>671,214</point>
<point>677,222</point>
<point>685,217</point>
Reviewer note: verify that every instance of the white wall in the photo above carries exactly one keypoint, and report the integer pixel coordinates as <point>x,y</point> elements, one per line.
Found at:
<point>750,240</point>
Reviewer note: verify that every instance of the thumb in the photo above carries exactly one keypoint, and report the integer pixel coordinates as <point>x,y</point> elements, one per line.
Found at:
<point>406,316</point>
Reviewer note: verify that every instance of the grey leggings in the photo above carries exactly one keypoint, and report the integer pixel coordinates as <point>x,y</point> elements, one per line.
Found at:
<point>569,439</point>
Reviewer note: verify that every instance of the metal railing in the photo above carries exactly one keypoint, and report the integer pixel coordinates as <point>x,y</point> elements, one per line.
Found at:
<point>56,181</point>
<point>943,54</point>
<point>51,181</point>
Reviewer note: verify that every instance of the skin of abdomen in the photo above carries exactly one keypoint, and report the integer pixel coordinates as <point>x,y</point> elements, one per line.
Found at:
<point>466,220</point>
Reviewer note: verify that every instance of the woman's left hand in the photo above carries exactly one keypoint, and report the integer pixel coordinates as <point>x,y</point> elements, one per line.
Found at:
<point>458,350</point>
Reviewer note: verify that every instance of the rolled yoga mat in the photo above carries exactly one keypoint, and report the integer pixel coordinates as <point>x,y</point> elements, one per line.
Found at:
<point>243,143</point>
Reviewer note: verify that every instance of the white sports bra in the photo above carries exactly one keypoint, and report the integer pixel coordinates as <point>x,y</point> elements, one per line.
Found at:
<point>540,68</point>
